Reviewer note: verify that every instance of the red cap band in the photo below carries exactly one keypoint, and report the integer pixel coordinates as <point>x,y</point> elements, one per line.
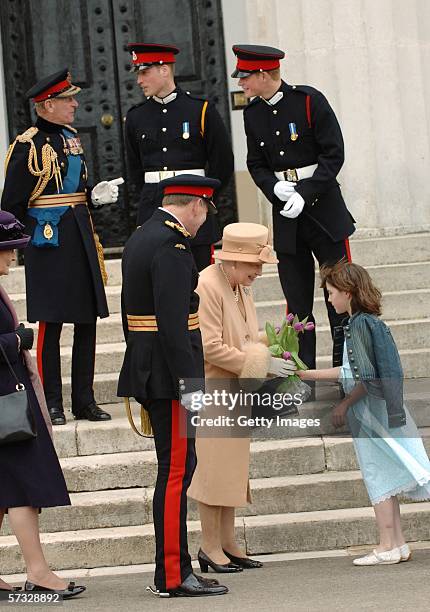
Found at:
<point>150,58</point>
<point>200,191</point>
<point>256,64</point>
<point>57,88</point>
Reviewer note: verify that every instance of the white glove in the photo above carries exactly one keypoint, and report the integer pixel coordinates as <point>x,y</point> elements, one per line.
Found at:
<point>293,207</point>
<point>106,192</point>
<point>284,189</point>
<point>192,401</point>
<point>281,367</point>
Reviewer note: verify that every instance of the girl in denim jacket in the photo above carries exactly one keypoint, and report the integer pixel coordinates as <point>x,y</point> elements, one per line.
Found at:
<point>389,449</point>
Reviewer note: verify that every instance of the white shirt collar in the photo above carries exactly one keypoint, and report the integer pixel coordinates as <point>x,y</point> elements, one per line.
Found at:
<point>174,216</point>
<point>166,99</point>
<point>274,99</point>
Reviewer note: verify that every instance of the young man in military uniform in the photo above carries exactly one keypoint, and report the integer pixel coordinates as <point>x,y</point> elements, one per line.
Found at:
<point>164,355</point>
<point>295,152</point>
<point>172,132</point>
<point>46,188</point>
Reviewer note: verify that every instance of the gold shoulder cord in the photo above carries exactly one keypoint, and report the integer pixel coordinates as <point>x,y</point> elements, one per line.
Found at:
<point>202,119</point>
<point>145,422</point>
<point>50,167</point>
<point>100,253</point>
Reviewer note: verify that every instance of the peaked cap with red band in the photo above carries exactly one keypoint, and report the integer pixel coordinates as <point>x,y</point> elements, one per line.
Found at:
<point>192,185</point>
<point>58,85</point>
<point>144,55</point>
<point>255,58</point>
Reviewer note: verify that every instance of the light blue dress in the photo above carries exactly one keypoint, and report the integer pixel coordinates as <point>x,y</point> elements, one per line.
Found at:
<point>392,461</point>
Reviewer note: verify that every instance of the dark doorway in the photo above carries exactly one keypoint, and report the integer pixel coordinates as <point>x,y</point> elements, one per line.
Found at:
<point>90,37</point>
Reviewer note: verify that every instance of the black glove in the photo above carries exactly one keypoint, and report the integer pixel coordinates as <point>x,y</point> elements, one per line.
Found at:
<point>26,335</point>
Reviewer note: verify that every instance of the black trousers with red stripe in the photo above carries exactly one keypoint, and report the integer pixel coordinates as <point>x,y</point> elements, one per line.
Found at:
<point>176,464</point>
<point>83,358</point>
<point>297,276</point>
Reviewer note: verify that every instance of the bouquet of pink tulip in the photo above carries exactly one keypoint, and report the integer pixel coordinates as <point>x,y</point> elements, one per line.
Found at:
<point>284,342</point>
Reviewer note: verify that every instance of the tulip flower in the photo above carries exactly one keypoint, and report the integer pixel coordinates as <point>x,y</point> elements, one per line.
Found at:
<point>299,327</point>
<point>290,317</point>
<point>286,355</point>
<point>310,326</point>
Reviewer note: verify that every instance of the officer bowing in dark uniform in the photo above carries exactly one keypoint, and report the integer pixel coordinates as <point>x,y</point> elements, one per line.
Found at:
<point>46,188</point>
<point>173,132</point>
<point>295,152</point>
<point>164,352</point>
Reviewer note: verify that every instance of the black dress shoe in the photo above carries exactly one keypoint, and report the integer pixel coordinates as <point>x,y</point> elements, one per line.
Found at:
<point>193,587</point>
<point>203,580</point>
<point>205,563</point>
<point>57,416</point>
<point>92,413</point>
<point>70,591</point>
<point>244,562</point>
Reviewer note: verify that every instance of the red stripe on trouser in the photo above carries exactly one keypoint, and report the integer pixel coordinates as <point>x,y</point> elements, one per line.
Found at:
<point>212,254</point>
<point>172,502</point>
<point>348,250</point>
<point>308,110</point>
<point>39,350</point>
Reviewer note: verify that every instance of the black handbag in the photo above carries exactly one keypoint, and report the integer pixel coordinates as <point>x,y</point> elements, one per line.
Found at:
<point>16,418</point>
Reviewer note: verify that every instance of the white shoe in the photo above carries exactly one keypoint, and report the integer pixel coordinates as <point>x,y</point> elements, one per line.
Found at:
<point>405,552</point>
<point>389,557</point>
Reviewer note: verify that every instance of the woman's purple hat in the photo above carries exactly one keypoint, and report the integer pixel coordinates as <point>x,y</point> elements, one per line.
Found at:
<point>11,234</point>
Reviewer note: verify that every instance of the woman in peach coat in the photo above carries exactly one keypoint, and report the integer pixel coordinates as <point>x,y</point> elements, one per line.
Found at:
<point>232,350</point>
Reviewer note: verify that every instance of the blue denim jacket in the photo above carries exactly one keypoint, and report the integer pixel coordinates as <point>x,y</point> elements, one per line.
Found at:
<point>375,361</point>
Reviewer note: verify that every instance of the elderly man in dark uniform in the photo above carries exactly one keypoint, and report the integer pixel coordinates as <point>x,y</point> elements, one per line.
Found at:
<point>46,188</point>
<point>295,152</point>
<point>173,132</point>
<point>164,356</point>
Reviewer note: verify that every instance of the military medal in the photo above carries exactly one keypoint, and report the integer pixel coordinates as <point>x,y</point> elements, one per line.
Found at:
<point>48,232</point>
<point>185,130</point>
<point>293,131</point>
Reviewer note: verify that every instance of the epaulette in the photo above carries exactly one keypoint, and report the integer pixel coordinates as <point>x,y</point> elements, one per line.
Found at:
<point>137,105</point>
<point>306,89</point>
<point>253,102</point>
<point>178,228</point>
<point>72,129</point>
<point>195,97</point>
<point>28,135</point>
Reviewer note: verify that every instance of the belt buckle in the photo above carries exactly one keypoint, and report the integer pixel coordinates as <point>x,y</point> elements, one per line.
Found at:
<point>165,174</point>
<point>291,175</point>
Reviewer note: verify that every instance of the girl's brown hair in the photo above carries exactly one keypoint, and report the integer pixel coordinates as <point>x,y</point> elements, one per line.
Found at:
<point>354,279</point>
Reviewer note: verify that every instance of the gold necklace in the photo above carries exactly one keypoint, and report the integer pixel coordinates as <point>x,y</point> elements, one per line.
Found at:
<point>235,291</point>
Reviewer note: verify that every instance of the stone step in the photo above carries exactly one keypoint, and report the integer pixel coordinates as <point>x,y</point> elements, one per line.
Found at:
<point>273,533</point>
<point>368,252</point>
<point>393,277</point>
<point>276,495</point>
<point>409,334</point>
<point>125,470</point>
<point>410,304</point>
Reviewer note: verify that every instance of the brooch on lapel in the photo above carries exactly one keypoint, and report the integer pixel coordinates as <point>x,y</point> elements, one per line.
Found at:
<point>180,246</point>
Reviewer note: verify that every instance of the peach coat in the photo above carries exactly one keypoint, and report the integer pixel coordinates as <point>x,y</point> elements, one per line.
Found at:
<point>231,350</point>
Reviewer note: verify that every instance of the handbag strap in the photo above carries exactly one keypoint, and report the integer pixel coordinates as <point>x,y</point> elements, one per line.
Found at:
<point>9,365</point>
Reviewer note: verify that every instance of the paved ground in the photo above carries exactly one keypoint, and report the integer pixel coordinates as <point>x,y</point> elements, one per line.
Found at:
<point>306,585</point>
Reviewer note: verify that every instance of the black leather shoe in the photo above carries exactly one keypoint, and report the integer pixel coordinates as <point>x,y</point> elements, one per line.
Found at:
<point>203,580</point>
<point>244,562</point>
<point>93,413</point>
<point>57,416</point>
<point>193,587</point>
<point>205,563</point>
<point>70,591</point>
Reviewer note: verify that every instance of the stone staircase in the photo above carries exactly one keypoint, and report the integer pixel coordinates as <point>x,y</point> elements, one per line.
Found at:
<point>307,492</point>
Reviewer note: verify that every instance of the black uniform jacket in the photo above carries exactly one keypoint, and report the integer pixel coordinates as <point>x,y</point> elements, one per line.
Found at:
<point>64,283</point>
<point>155,141</point>
<point>159,278</point>
<point>319,141</point>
